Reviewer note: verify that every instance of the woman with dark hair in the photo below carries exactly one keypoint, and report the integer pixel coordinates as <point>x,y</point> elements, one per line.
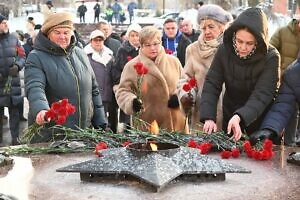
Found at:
<point>249,68</point>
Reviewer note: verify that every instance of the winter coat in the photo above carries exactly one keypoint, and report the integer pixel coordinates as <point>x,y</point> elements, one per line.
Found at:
<point>124,51</point>
<point>180,43</point>
<point>250,83</point>
<point>284,106</point>
<point>112,44</point>
<point>82,10</point>
<point>287,41</point>
<point>53,73</point>
<point>199,56</point>
<point>102,63</point>
<point>157,87</point>
<point>11,53</point>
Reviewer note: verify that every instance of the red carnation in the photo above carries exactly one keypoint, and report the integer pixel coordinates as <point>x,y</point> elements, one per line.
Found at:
<point>126,143</point>
<point>186,87</point>
<point>193,82</point>
<point>235,152</point>
<point>225,154</point>
<point>192,143</point>
<point>129,58</point>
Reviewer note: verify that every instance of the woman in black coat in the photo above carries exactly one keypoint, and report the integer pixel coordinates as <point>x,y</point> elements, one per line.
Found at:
<point>248,66</point>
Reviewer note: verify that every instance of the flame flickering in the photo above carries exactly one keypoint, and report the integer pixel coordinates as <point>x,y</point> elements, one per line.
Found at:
<point>153,147</point>
<point>154,129</point>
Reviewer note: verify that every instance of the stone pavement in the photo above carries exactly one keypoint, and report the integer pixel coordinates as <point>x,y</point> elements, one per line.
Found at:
<point>274,179</point>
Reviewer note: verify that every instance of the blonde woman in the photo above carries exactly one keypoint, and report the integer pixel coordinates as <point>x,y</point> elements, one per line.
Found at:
<point>158,100</point>
<point>212,20</point>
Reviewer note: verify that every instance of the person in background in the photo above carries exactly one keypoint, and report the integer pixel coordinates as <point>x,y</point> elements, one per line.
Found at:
<point>188,31</point>
<point>286,40</point>
<point>113,45</point>
<point>58,69</point>
<point>82,10</point>
<point>199,4</point>
<point>213,21</point>
<point>101,59</point>
<point>12,60</point>
<point>30,26</point>
<point>284,107</point>
<point>47,9</point>
<point>131,6</point>
<point>158,100</point>
<point>109,13</point>
<point>249,67</point>
<point>174,41</point>
<point>127,51</point>
<point>116,8</point>
<point>97,10</point>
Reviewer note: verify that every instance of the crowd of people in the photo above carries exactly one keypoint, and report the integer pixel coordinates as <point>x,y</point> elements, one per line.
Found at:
<point>237,68</point>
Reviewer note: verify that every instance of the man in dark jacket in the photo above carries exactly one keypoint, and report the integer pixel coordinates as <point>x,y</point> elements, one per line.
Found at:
<point>12,59</point>
<point>283,108</point>
<point>249,67</point>
<point>82,10</point>
<point>188,31</point>
<point>97,10</point>
<point>174,41</point>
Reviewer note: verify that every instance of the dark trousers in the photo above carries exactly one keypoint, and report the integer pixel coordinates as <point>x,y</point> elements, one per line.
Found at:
<point>291,129</point>
<point>96,18</point>
<point>82,18</point>
<point>111,110</point>
<point>14,121</point>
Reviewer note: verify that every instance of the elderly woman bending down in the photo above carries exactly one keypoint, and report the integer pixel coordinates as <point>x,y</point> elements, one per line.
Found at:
<point>57,69</point>
<point>158,100</point>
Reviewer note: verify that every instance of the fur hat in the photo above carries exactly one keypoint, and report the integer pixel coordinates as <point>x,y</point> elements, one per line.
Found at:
<point>57,20</point>
<point>2,18</point>
<point>215,12</point>
<point>133,27</point>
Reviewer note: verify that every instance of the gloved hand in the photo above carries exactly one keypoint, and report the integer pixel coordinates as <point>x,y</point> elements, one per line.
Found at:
<point>262,135</point>
<point>173,101</point>
<point>13,70</point>
<point>187,102</point>
<point>137,105</point>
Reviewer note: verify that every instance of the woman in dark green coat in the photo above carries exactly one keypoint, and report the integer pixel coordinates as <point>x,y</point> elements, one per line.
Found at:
<point>57,69</point>
<point>249,68</point>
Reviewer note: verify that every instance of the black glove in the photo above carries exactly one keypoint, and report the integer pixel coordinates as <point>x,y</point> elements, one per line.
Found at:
<point>173,101</point>
<point>187,102</point>
<point>262,135</point>
<point>13,70</point>
<point>137,105</point>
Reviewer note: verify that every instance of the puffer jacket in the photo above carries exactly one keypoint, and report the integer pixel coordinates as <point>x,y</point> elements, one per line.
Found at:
<point>53,73</point>
<point>251,83</point>
<point>11,52</point>
<point>287,41</point>
<point>285,104</point>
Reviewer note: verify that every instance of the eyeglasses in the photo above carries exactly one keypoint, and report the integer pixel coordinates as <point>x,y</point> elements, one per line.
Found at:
<point>148,46</point>
<point>97,39</point>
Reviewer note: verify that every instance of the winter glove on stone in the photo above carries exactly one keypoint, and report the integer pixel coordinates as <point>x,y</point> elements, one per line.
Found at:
<point>137,105</point>
<point>261,135</point>
<point>173,101</point>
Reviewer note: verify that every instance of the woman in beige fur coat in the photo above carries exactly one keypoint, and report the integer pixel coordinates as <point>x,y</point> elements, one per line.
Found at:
<point>213,21</point>
<point>158,100</point>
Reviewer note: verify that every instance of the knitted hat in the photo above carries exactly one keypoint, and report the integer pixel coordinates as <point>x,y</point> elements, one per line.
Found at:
<point>97,33</point>
<point>133,27</point>
<point>57,20</point>
<point>215,12</point>
<point>2,18</point>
